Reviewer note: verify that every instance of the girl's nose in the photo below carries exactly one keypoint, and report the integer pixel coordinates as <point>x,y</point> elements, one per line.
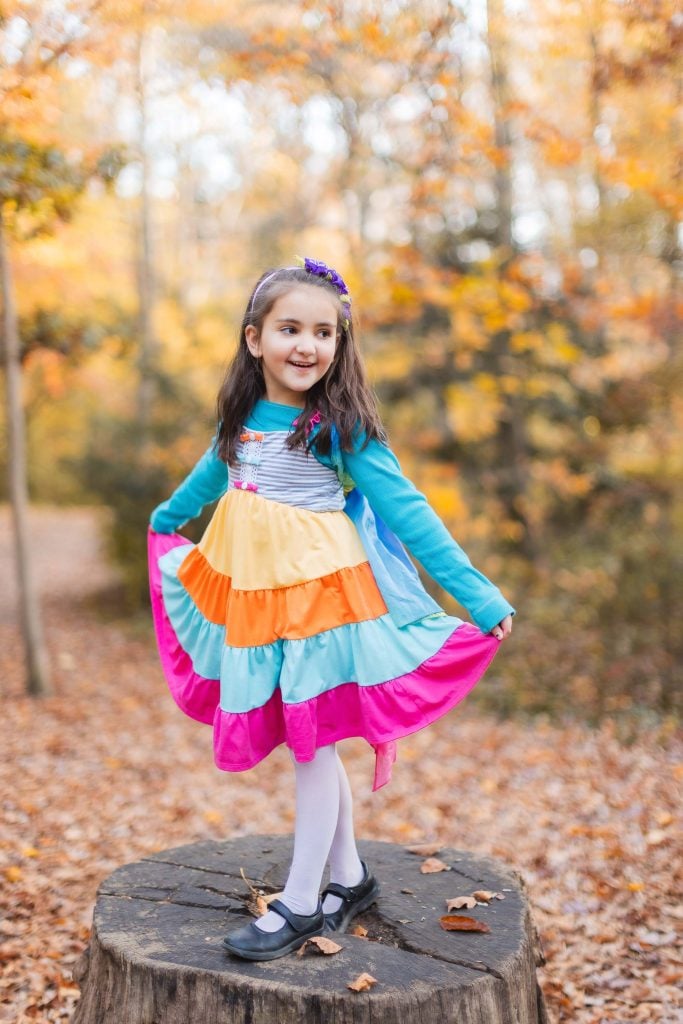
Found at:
<point>305,343</point>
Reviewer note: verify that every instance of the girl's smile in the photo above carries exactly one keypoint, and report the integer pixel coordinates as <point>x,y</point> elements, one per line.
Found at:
<point>296,344</point>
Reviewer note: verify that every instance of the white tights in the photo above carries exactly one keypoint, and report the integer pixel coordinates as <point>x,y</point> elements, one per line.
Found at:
<point>324,827</point>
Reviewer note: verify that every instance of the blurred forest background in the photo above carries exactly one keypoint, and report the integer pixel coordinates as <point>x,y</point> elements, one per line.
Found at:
<point>500,185</point>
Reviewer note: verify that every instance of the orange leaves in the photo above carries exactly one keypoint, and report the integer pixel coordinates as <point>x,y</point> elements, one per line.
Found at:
<point>485,896</point>
<point>319,944</point>
<point>362,983</point>
<point>433,865</point>
<point>456,923</point>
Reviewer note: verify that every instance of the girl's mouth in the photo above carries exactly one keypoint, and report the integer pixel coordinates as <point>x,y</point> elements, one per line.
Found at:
<point>301,366</point>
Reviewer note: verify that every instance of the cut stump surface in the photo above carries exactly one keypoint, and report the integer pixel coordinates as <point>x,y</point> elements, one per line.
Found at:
<point>156,954</point>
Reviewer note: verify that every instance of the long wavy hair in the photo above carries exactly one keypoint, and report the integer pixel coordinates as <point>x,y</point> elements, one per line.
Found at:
<point>343,396</point>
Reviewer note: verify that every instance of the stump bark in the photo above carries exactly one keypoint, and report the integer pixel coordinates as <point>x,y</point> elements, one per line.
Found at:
<point>155,955</point>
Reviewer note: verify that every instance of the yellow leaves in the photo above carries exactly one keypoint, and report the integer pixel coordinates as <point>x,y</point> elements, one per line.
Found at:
<point>467,330</point>
<point>486,383</point>
<point>559,343</point>
<point>13,873</point>
<point>474,408</point>
<point>394,363</point>
<point>447,501</point>
<point>526,341</point>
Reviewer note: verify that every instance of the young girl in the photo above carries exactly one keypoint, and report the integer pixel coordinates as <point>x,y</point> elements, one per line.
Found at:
<point>299,618</point>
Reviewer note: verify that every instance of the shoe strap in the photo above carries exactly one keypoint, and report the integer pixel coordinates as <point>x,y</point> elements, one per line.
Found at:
<point>297,921</point>
<point>339,890</point>
<point>347,892</point>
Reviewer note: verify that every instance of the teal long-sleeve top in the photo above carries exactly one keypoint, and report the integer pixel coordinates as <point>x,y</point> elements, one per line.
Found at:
<point>377,473</point>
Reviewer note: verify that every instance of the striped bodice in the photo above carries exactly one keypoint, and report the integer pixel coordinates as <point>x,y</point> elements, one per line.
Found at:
<point>293,476</point>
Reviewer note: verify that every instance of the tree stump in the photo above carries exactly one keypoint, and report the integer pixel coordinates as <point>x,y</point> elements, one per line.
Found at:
<point>156,957</point>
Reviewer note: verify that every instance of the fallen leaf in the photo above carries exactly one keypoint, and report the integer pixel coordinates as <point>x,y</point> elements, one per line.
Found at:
<point>321,944</point>
<point>484,896</point>
<point>656,837</point>
<point>432,865</point>
<point>256,904</point>
<point>360,931</point>
<point>13,873</point>
<point>461,901</point>
<point>362,983</point>
<point>426,849</point>
<point>408,892</point>
<point>458,923</point>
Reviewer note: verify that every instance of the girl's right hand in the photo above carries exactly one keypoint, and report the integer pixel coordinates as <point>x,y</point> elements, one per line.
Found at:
<point>503,629</point>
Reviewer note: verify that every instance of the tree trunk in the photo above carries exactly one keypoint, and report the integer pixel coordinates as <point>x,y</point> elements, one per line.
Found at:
<point>38,676</point>
<point>511,436</point>
<point>156,954</point>
<point>145,271</point>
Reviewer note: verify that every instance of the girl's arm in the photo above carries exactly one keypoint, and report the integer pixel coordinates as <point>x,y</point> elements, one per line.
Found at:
<point>376,471</point>
<point>204,484</point>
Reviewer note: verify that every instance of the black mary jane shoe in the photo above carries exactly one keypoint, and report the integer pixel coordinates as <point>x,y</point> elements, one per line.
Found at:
<point>252,943</point>
<point>355,899</point>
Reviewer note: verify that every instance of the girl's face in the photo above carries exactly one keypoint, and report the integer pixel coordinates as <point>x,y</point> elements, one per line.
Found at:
<point>297,342</point>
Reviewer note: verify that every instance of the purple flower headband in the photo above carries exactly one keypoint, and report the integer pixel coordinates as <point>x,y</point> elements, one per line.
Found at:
<point>319,269</point>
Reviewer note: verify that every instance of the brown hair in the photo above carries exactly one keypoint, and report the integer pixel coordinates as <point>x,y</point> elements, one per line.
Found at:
<point>343,396</point>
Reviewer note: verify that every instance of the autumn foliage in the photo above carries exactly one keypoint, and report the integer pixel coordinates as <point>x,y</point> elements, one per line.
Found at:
<point>502,195</point>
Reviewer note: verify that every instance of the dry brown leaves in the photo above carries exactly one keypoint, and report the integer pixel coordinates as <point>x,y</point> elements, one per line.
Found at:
<point>108,770</point>
<point>362,983</point>
<point>319,944</point>
<point>425,849</point>
<point>432,865</point>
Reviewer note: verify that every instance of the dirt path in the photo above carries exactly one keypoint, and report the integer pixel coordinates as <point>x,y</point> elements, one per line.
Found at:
<point>68,556</point>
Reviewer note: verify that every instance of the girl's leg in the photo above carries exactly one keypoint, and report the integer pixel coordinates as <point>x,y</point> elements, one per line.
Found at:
<point>317,811</point>
<point>345,865</point>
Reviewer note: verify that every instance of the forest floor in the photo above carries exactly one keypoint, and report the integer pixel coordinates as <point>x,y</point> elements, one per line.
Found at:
<point>107,770</point>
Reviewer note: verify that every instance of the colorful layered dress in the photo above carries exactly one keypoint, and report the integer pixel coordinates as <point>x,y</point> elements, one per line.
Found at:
<point>299,618</point>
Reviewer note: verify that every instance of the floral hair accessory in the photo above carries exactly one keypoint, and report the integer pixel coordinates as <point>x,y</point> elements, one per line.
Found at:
<point>320,269</point>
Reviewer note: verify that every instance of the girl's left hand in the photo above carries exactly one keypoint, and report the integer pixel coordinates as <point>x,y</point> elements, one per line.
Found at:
<point>503,629</point>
